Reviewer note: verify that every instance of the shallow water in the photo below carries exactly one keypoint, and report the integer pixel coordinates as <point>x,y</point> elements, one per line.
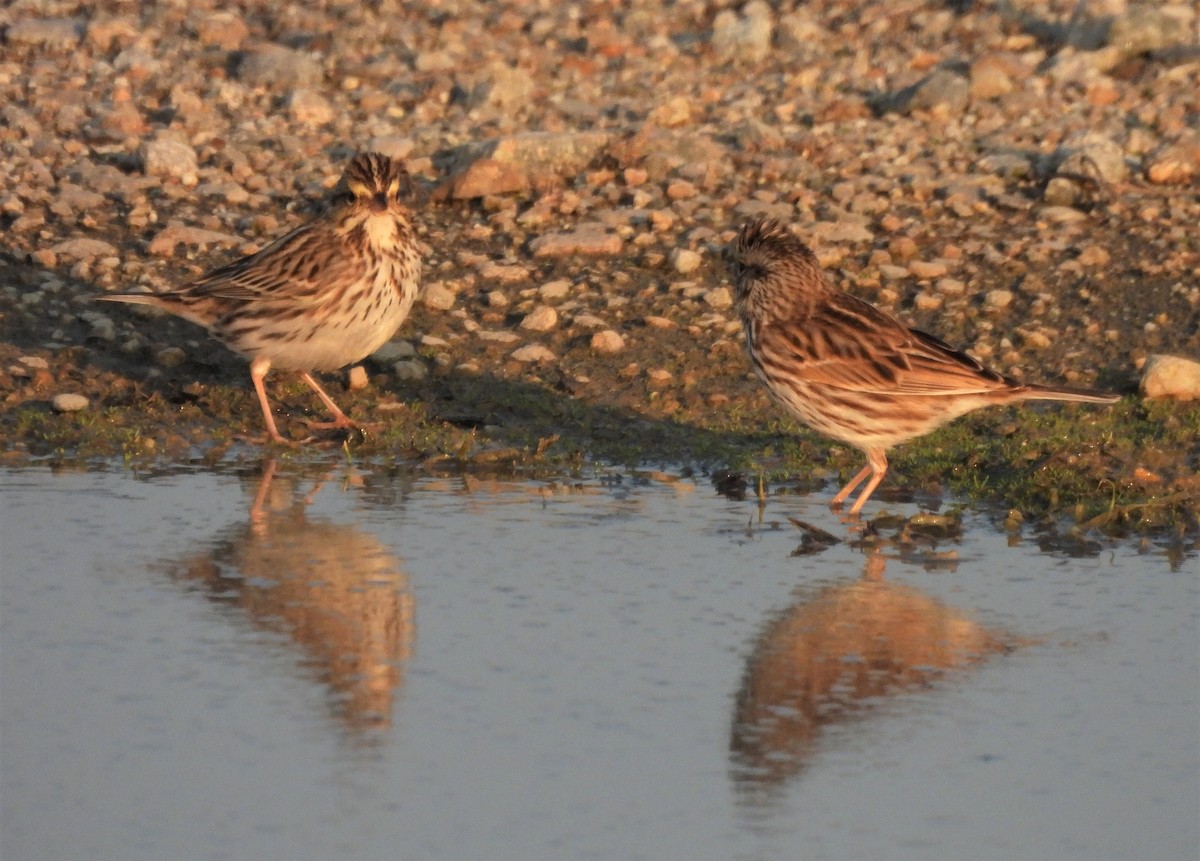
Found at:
<point>430,668</point>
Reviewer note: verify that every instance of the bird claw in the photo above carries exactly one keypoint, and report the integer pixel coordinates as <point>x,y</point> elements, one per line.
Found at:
<point>354,431</point>
<point>336,424</point>
<point>267,439</point>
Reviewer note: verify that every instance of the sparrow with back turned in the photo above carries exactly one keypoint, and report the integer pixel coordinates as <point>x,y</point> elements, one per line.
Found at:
<point>847,369</point>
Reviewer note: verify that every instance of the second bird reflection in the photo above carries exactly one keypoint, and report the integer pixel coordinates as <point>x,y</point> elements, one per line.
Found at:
<point>830,659</point>
<point>334,590</point>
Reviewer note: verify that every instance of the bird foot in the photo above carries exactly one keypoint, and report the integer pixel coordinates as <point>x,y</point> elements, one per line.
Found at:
<point>267,439</point>
<point>354,431</point>
<point>340,423</point>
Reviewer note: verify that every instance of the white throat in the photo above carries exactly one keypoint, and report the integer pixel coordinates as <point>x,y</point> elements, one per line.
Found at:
<point>382,231</point>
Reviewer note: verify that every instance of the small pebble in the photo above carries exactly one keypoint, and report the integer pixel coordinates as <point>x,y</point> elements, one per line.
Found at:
<point>998,299</point>
<point>69,403</point>
<point>927,301</point>
<point>222,29</point>
<point>588,321</point>
<point>927,269</point>
<point>170,155</point>
<point>554,290</point>
<point>310,108</point>
<point>1094,255</point>
<point>607,342</point>
<point>533,353</point>
<point>586,242</point>
<point>83,248</point>
<point>658,377</point>
<point>685,260</point>
<point>393,351</point>
<point>718,297</point>
<point>410,369</point>
<point>501,336</point>
<point>437,297</point>
<point>1035,339</point>
<point>356,378</point>
<point>543,318</point>
<point>496,273</point>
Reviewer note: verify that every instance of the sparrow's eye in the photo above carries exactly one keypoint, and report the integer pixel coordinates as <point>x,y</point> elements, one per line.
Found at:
<point>343,198</point>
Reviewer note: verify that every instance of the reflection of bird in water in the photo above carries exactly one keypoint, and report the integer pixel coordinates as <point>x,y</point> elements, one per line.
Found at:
<point>837,655</point>
<point>335,590</point>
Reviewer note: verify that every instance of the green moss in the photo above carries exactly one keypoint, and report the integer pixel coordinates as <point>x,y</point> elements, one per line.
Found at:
<point>1133,465</point>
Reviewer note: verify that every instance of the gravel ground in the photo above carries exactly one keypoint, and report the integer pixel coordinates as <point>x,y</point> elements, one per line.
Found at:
<point>1020,178</point>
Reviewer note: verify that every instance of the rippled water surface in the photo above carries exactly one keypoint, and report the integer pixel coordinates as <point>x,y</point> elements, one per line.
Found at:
<point>211,665</point>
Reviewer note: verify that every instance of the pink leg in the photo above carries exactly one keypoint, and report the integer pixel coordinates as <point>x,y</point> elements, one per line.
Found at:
<point>340,419</point>
<point>877,464</point>
<point>844,493</point>
<point>876,468</point>
<point>258,370</point>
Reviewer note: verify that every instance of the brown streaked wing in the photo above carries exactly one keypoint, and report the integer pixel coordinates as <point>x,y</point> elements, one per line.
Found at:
<point>852,345</point>
<point>299,267</point>
<point>933,358</point>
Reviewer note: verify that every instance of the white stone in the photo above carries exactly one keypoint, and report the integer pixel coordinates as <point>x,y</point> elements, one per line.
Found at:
<point>998,299</point>
<point>170,155</point>
<point>607,342</point>
<point>69,403</point>
<point>553,290</point>
<point>543,318</point>
<point>685,260</point>
<point>927,301</point>
<point>497,336</point>
<point>719,297</point>
<point>83,248</point>
<point>438,297</point>
<point>310,108</point>
<point>588,321</point>
<point>356,378</point>
<point>1165,376</point>
<point>533,353</point>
